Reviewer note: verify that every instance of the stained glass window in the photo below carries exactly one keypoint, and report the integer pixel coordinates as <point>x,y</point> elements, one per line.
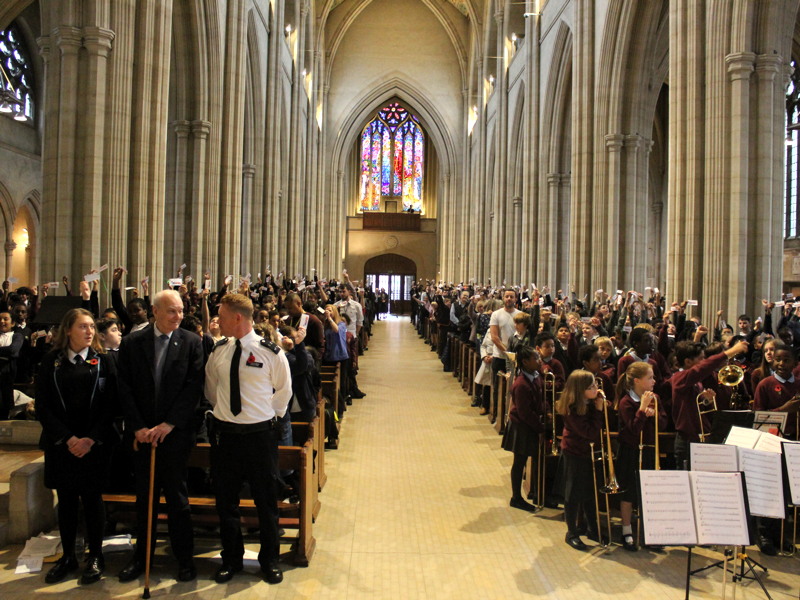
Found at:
<point>17,75</point>
<point>392,159</point>
<point>792,192</point>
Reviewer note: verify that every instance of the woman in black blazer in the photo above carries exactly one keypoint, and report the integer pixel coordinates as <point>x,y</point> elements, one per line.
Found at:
<point>76,403</point>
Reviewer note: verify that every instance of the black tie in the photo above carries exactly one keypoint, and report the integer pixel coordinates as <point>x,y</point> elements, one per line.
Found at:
<point>78,359</point>
<point>236,398</point>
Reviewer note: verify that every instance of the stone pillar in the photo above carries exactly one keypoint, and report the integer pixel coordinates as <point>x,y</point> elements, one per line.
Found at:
<point>230,196</point>
<point>9,246</point>
<point>500,229</point>
<point>532,263</point>
<point>202,256</point>
<point>97,41</point>
<point>633,222</point>
<point>581,213</point>
<point>608,270</point>
<point>250,229</point>
<point>69,43</point>
<point>177,210</point>
<point>740,68</point>
<point>521,247</point>
<point>549,263</point>
<point>49,157</point>
<point>767,180</point>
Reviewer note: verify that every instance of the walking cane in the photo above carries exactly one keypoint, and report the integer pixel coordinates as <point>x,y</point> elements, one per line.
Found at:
<point>146,593</point>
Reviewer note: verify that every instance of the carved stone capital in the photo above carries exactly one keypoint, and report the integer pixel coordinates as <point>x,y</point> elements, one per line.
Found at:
<point>614,141</point>
<point>182,128</point>
<point>201,129</point>
<point>68,39</point>
<point>740,65</point>
<point>97,40</point>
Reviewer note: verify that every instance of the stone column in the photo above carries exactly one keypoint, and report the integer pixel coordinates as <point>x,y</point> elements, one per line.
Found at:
<point>500,229</point>
<point>608,270</point>
<point>49,157</point>
<point>532,263</point>
<point>550,252</point>
<point>250,228</point>
<point>9,246</point>
<point>581,213</point>
<point>767,66</point>
<point>633,222</point>
<point>740,68</point>
<point>230,196</point>
<point>66,252</point>
<point>178,209</point>
<point>521,247</point>
<point>97,41</point>
<point>201,254</point>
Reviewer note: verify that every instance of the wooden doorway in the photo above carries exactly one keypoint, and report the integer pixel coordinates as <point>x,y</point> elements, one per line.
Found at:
<point>395,274</point>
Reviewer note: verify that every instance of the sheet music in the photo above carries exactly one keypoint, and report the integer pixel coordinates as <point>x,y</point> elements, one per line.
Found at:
<point>763,476</point>
<point>742,437</point>
<point>764,420</point>
<point>768,443</point>
<point>791,455</point>
<point>713,457</point>
<point>668,513</point>
<point>720,513</point>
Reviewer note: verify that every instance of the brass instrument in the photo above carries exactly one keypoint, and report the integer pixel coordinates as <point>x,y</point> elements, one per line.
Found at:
<point>704,407</point>
<point>732,376</point>
<point>596,498</point>
<point>541,460</point>
<point>611,486</point>
<point>550,387</point>
<point>642,445</point>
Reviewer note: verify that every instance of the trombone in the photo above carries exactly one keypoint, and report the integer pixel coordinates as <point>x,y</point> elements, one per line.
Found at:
<point>610,485</point>
<point>704,407</point>
<point>541,460</point>
<point>642,445</point>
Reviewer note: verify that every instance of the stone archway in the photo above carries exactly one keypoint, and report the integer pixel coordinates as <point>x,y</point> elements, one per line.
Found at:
<point>394,273</point>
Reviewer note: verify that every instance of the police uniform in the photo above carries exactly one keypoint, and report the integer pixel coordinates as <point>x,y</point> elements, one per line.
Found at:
<point>244,445</point>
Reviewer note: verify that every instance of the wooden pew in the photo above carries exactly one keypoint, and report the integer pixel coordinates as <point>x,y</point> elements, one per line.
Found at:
<point>474,364</point>
<point>295,517</point>
<point>330,385</point>
<point>454,343</point>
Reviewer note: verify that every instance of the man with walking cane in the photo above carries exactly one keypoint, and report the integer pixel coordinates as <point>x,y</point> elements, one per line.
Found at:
<point>160,381</point>
<point>249,384</point>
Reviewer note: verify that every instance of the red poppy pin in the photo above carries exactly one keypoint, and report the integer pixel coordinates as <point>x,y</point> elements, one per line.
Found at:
<point>94,362</point>
<point>251,359</point>
<point>778,389</point>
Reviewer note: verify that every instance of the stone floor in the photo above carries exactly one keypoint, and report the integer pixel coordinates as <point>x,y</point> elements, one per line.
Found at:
<point>416,506</point>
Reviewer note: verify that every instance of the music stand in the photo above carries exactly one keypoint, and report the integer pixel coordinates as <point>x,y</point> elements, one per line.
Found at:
<point>725,419</point>
<point>763,419</point>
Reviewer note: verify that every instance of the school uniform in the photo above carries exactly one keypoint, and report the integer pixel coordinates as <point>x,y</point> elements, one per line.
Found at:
<point>633,426</point>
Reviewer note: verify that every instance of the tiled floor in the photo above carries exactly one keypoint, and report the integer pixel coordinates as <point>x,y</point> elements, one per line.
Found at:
<point>416,506</point>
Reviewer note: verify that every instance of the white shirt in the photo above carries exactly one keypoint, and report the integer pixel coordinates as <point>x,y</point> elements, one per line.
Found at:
<point>71,355</point>
<point>258,377</point>
<point>353,310</point>
<point>140,326</point>
<point>505,322</point>
<point>6,339</point>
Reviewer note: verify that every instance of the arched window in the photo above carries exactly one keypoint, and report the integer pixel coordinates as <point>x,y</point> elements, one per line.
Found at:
<point>16,77</point>
<point>392,159</point>
<point>791,219</point>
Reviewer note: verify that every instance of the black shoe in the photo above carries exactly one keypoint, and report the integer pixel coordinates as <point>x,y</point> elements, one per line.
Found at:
<point>63,567</point>
<point>187,571</point>
<point>132,570</point>
<point>475,403</point>
<point>226,572</point>
<point>522,505</point>
<point>628,543</point>
<point>575,541</point>
<point>348,401</point>
<point>766,546</point>
<point>788,547</point>
<point>94,569</point>
<point>358,394</point>
<point>272,573</point>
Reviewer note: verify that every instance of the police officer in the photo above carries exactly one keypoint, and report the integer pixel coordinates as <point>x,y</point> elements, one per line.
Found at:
<point>241,374</point>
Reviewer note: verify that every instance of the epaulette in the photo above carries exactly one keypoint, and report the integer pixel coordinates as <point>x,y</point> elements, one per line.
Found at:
<point>222,342</point>
<point>271,345</point>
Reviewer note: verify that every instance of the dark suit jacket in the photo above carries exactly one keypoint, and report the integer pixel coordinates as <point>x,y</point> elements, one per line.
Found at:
<point>181,380</point>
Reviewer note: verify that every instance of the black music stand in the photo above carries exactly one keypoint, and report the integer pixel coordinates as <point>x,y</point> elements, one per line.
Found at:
<point>725,419</point>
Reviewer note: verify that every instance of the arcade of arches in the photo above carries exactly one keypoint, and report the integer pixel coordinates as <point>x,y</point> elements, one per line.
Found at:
<point>599,144</point>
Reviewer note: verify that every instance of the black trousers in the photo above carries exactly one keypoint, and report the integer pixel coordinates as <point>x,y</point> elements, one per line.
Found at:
<point>69,500</point>
<point>172,455</point>
<point>253,457</point>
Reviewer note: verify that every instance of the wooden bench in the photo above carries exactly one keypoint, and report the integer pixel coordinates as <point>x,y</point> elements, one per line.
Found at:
<point>297,517</point>
<point>329,389</point>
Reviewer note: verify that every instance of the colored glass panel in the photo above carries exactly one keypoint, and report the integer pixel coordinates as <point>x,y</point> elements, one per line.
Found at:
<point>386,162</point>
<point>418,159</point>
<point>397,177</point>
<point>375,179</point>
<point>408,170</point>
<point>366,144</point>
